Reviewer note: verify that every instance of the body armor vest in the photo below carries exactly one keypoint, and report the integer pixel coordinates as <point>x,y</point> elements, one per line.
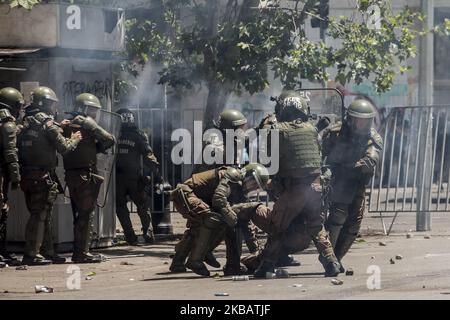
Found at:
<point>299,149</point>
<point>35,149</point>
<point>129,158</point>
<point>85,155</point>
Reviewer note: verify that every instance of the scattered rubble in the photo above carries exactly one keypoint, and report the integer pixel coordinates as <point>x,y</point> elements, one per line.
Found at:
<point>337,282</point>
<point>43,289</point>
<point>382,244</point>
<point>409,235</point>
<point>392,261</point>
<point>126,263</point>
<point>241,278</point>
<point>349,272</point>
<point>24,267</point>
<point>222,294</point>
<point>399,257</point>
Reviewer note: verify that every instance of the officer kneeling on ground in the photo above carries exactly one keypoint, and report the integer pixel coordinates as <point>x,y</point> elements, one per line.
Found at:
<point>206,200</point>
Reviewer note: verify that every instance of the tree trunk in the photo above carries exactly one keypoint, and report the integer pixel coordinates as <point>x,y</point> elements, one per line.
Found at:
<point>217,98</point>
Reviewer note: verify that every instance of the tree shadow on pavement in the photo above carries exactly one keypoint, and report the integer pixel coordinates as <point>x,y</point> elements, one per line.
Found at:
<point>175,278</point>
<point>117,253</point>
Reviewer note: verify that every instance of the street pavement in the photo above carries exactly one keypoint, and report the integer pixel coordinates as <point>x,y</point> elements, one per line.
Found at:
<point>421,271</point>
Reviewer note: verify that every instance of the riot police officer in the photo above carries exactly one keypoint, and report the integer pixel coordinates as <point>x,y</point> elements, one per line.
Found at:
<point>231,119</point>
<point>11,103</point>
<point>268,122</point>
<point>300,190</point>
<point>39,141</point>
<point>205,200</point>
<point>134,151</point>
<point>82,177</point>
<point>351,150</point>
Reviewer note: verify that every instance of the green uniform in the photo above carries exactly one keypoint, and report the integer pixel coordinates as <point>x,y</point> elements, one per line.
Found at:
<point>205,201</point>
<point>301,194</point>
<point>83,180</point>
<point>248,230</point>
<point>352,160</point>
<point>9,169</point>
<point>39,141</point>
<point>297,238</point>
<point>134,151</point>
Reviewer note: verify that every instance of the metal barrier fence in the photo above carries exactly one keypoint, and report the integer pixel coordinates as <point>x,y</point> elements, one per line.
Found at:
<point>413,174</point>
<point>159,125</point>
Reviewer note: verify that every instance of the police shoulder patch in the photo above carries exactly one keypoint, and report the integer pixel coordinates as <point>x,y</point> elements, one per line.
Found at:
<point>233,174</point>
<point>43,118</point>
<point>10,126</point>
<point>375,138</point>
<point>5,115</point>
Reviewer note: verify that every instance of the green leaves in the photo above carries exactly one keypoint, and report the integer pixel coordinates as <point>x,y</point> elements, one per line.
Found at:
<point>27,4</point>
<point>208,42</point>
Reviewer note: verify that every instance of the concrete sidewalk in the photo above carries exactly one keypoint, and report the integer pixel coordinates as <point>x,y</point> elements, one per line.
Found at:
<point>142,272</point>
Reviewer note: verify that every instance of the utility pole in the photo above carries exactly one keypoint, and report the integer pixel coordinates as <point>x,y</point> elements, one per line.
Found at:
<point>426,73</point>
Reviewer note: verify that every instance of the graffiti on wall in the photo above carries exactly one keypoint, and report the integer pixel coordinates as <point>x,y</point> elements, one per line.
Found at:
<point>102,89</point>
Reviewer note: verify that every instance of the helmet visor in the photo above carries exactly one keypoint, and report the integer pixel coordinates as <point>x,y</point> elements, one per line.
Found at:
<point>93,113</point>
<point>87,111</point>
<point>361,126</point>
<point>51,106</point>
<point>251,183</point>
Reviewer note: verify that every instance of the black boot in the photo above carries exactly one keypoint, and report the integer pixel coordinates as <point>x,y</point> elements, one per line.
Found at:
<point>341,268</point>
<point>234,270</point>
<point>211,260</point>
<point>287,261</point>
<point>38,260</point>
<point>198,267</point>
<point>332,269</point>
<point>263,269</point>
<point>149,237</point>
<point>10,259</point>
<point>132,241</point>
<point>177,268</point>
<point>86,258</point>
<point>55,258</point>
